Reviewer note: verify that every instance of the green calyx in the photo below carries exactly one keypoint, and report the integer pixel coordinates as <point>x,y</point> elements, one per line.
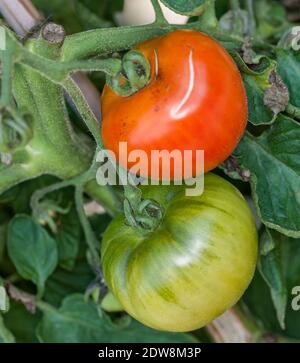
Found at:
<point>146,218</point>
<point>143,214</point>
<point>133,76</point>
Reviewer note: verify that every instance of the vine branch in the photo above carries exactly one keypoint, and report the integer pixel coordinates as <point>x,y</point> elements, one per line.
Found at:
<point>159,15</point>
<point>209,19</point>
<point>252,21</point>
<point>83,108</point>
<point>59,71</point>
<point>93,42</point>
<point>88,232</point>
<point>293,111</point>
<point>6,79</point>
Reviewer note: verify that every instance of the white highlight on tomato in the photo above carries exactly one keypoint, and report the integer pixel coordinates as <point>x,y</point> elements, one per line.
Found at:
<point>156,63</point>
<point>178,111</point>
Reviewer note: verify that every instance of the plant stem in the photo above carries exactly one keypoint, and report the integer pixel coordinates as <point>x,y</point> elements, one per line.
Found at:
<point>252,21</point>
<point>109,40</point>
<point>106,196</point>
<point>78,182</point>
<point>88,232</point>
<point>209,18</point>
<point>103,194</point>
<point>15,174</point>
<point>53,133</point>
<point>84,109</point>
<point>13,278</point>
<point>235,4</point>
<point>234,327</point>
<point>159,15</point>
<point>7,64</point>
<point>293,111</point>
<point>44,307</point>
<point>50,68</point>
<point>59,71</point>
<point>39,194</point>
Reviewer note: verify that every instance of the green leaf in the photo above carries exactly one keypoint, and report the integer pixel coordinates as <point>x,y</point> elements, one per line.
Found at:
<point>258,297</point>
<point>22,323</point>
<point>74,14</point>
<point>62,283</point>
<point>289,69</point>
<point>270,16</point>
<point>99,223</point>
<point>257,82</point>
<point>21,194</point>
<point>235,21</point>
<point>272,265</point>
<point>273,159</point>
<point>68,239</point>
<point>186,7</point>
<point>32,250</point>
<point>67,17</point>
<point>5,335</point>
<point>4,219</point>
<point>259,114</point>
<point>6,266</point>
<point>88,18</point>
<point>3,231</point>
<point>78,321</point>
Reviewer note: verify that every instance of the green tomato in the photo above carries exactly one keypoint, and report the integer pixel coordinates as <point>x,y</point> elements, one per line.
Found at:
<point>193,267</point>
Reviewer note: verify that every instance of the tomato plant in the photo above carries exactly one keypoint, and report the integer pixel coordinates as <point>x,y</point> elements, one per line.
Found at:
<point>88,251</point>
<point>195,100</point>
<point>184,274</point>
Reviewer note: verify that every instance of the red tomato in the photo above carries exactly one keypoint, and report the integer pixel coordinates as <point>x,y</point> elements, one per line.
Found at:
<point>195,100</point>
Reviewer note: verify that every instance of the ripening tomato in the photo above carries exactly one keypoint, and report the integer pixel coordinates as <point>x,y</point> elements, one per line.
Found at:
<point>195,100</point>
<point>193,267</point>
